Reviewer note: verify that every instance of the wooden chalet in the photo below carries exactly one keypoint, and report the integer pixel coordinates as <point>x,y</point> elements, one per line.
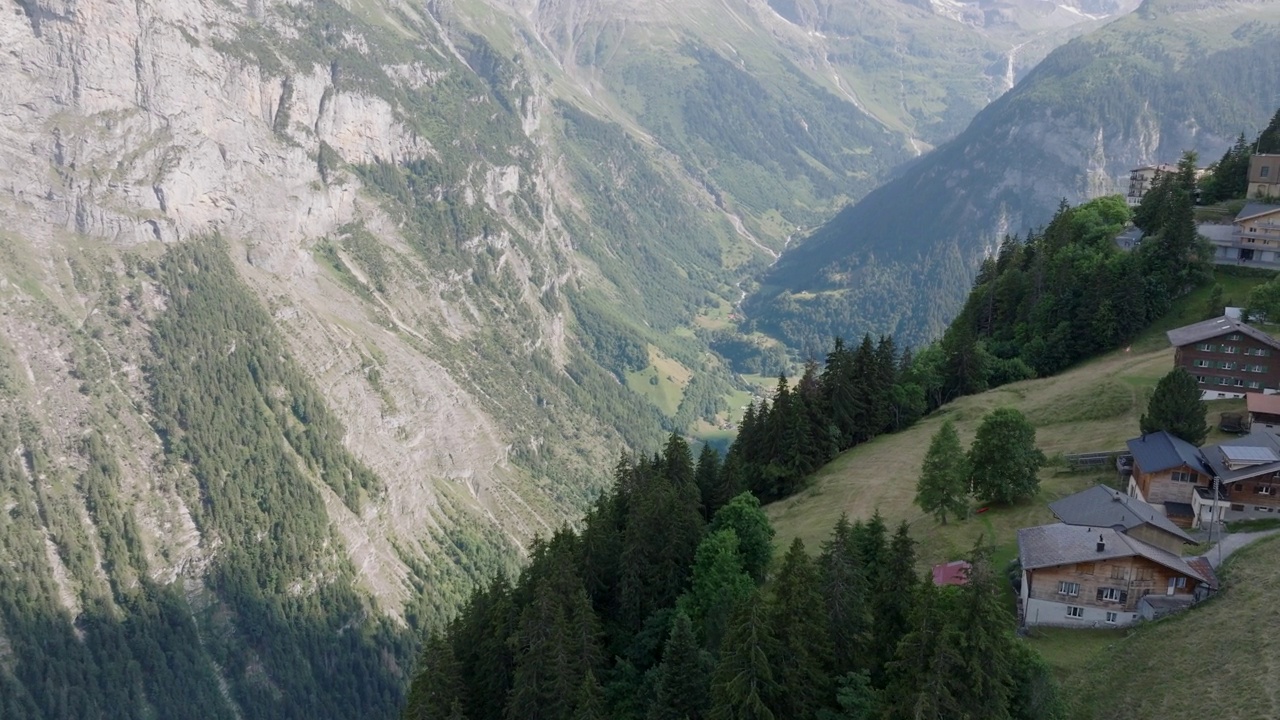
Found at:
<point>1076,576</point>
<point>1264,412</point>
<point>1165,473</point>
<point>1227,357</point>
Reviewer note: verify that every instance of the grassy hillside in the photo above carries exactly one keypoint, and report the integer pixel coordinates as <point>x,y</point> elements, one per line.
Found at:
<point>1160,670</point>
<point>1092,407</point>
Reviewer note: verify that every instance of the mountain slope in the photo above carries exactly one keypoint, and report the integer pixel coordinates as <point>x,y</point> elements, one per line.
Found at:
<point>313,313</point>
<point>1170,77</point>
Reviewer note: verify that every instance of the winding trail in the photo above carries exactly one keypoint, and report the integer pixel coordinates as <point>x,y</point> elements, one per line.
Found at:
<point>1219,553</point>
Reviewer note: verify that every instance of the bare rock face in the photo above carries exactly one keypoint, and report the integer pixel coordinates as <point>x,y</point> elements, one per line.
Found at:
<point>125,127</point>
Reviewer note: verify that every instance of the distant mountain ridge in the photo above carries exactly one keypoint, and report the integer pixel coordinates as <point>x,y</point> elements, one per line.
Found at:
<point>1173,76</point>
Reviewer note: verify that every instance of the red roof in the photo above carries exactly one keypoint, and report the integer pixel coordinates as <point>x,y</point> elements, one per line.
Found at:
<point>1266,404</point>
<point>1201,565</point>
<point>955,572</point>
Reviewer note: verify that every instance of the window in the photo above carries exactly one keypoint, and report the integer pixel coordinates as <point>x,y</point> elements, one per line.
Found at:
<point>1263,490</point>
<point>1233,336</point>
<point>1143,574</point>
<point>1224,365</point>
<point>1084,568</point>
<point>1256,368</point>
<point>1074,611</point>
<point>1264,171</point>
<point>1224,381</point>
<point>1181,584</point>
<point>1201,379</point>
<point>1237,508</point>
<point>1229,349</point>
<point>1068,588</point>
<point>1111,618</point>
<point>1206,347</point>
<point>1202,363</point>
<point>1117,572</point>
<point>1254,384</point>
<point>1262,352</point>
<point>1109,594</point>
<point>1239,382</point>
<point>1182,476</point>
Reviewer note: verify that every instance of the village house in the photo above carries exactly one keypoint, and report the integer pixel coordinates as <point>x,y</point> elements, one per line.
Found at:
<point>1264,412</point>
<point>1264,176</point>
<point>1142,178</point>
<point>1246,474</point>
<point>1253,237</point>
<point>1075,576</point>
<point>1164,473</point>
<point>1227,357</point>
<point>955,572</point>
<point>1101,506</point>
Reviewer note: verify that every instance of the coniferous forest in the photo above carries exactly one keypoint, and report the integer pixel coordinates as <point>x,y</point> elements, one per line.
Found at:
<point>663,607</point>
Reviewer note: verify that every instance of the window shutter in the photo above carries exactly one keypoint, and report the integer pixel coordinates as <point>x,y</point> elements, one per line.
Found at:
<point>1124,596</point>
<point>1099,594</point>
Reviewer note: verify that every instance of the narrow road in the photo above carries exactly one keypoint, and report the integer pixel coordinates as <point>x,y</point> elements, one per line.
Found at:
<point>1219,553</point>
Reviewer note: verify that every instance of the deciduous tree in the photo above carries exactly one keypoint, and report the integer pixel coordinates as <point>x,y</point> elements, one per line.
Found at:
<point>1004,462</point>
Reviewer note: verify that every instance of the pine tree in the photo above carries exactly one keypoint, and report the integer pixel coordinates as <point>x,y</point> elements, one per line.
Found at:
<point>845,596</point>
<point>744,516</point>
<point>1004,462</point>
<point>984,643</point>
<point>856,697</point>
<point>589,703</point>
<point>797,618</point>
<point>1269,140</point>
<point>682,685</point>
<point>744,685</point>
<point>707,478</point>
<point>481,643</point>
<point>943,487</point>
<point>922,675</point>
<point>893,595</point>
<point>1176,408</point>
<point>438,686</point>
<point>719,583</point>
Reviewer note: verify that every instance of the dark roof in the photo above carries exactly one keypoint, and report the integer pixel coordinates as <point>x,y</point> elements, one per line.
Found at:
<point>1216,327</point>
<point>1254,209</point>
<point>1062,544</point>
<point>1159,451</point>
<point>1100,506</point>
<point>1217,462</point>
<point>1178,509</point>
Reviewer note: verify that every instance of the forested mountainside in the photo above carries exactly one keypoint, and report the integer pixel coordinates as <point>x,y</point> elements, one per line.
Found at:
<point>312,314</point>
<point>1171,76</point>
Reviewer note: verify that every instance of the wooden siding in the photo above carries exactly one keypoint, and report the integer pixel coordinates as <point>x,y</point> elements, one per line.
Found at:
<point>1239,352</point>
<point>1153,535</point>
<point>1134,577</point>
<point>1259,492</point>
<point>1158,488</point>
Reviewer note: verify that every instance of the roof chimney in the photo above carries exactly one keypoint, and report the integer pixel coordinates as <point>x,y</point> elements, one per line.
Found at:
<point>1102,544</point>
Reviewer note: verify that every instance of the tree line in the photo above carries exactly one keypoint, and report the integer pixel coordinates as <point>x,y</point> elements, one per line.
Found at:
<point>1228,178</point>
<point>661,608</point>
<point>1067,293</point>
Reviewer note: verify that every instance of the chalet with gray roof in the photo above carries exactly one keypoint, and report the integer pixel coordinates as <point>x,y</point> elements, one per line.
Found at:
<point>1227,357</point>
<point>1074,576</point>
<point>1164,471</point>
<point>1101,506</point>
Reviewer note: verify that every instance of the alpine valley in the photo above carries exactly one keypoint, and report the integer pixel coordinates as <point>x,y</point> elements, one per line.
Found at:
<point>313,314</point>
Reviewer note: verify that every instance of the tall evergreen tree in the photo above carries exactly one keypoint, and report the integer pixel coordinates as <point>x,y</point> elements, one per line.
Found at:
<point>1269,140</point>
<point>707,478</point>
<point>1004,462</point>
<point>893,597</point>
<point>744,685</point>
<point>1176,408</point>
<point>922,678</point>
<point>943,487</point>
<point>589,703</point>
<point>845,596</point>
<point>481,644</point>
<point>984,641</point>
<point>682,685</point>
<point>798,620</point>
<point>438,686</point>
